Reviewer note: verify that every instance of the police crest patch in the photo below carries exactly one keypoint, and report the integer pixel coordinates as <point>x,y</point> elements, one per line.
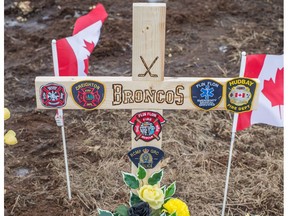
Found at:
<point>88,94</point>
<point>147,156</point>
<point>53,95</point>
<point>206,94</point>
<point>147,125</point>
<point>240,94</point>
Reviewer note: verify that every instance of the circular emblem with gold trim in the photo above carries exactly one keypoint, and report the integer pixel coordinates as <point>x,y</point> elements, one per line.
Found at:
<point>88,94</point>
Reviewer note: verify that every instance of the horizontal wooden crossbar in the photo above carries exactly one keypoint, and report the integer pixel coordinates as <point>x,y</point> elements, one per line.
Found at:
<point>122,93</point>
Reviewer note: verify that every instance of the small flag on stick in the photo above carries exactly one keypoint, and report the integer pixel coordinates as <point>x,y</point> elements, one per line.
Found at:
<point>269,70</point>
<point>71,58</point>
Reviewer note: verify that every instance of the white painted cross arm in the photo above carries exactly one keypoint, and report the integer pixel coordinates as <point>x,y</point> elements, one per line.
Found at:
<point>185,93</point>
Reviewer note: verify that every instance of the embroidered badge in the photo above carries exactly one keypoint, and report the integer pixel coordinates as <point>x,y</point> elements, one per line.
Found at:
<point>88,94</point>
<point>206,94</point>
<point>53,95</point>
<point>147,125</point>
<point>147,156</point>
<point>240,94</point>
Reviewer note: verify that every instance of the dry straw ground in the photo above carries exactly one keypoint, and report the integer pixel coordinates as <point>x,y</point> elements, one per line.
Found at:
<point>196,157</point>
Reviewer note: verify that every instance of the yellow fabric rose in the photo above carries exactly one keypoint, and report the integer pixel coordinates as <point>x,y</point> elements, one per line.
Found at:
<point>6,114</point>
<point>153,195</point>
<point>178,206</point>
<point>10,138</point>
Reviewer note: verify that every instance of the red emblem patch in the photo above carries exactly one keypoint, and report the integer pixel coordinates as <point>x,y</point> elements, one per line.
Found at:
<point>147,125</point>
<point>88,97</point>
<point>53,95</point>
<point>88,94</point>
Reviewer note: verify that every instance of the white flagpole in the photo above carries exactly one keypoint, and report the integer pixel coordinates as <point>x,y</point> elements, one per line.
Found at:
<point>59,118</point>
<point>234,127</point>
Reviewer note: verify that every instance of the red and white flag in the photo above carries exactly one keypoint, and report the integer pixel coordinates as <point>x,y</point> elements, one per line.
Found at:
<point>269,69</point>
<point>73,52</point>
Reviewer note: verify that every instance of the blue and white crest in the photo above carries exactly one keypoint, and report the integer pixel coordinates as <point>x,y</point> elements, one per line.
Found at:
<point>206,94</point>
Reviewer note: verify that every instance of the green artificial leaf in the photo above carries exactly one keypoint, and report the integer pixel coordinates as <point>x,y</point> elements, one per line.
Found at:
<point>156,212</point>
<point>134,199</point>
<point>173,214</point>
<point>163,214</point>
<point>104,213</point>
<point>141,172</point>
<point>166,200</point>
<point>122,210</point>
<point>155,178</point>
<point>170,191</point>
<point>163,188</point>
<point>130,180</point>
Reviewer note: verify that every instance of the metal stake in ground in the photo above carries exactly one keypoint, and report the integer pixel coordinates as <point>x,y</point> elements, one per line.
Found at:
<point>235,120</point>
<point>60,120</point>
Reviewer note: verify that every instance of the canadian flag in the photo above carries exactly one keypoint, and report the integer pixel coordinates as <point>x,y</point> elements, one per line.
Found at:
<point>269,70</point>
<point>239,94</point>
<point>73,52</point>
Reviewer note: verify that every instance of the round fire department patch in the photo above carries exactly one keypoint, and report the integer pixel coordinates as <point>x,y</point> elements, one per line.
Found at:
<point>53,95</point>
<point>88,94</point>
<point>147,125</point>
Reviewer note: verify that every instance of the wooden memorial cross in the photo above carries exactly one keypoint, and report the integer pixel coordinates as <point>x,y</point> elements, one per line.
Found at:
<point>147,92</point>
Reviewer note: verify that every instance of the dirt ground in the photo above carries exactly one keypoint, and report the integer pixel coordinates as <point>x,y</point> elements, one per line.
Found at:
<point>204,39</point>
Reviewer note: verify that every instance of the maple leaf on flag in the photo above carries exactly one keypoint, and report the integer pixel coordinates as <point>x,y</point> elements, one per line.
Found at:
<point>274,91</point>
<point>89,47</point>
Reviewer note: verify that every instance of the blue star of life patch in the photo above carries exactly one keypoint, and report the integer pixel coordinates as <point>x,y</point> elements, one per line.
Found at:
<point>206,94</point>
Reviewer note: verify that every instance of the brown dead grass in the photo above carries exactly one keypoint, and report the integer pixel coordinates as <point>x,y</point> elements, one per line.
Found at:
<point>196,146</point>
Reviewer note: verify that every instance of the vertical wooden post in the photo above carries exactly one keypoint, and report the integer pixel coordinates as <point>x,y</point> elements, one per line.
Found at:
<point>149,21</point>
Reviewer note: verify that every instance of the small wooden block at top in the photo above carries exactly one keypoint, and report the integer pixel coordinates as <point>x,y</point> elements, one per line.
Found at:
<point>148,40</point>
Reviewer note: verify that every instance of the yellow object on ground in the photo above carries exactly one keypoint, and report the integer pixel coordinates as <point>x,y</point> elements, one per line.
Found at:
<point>6,114</point>
<point>10,138</point>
